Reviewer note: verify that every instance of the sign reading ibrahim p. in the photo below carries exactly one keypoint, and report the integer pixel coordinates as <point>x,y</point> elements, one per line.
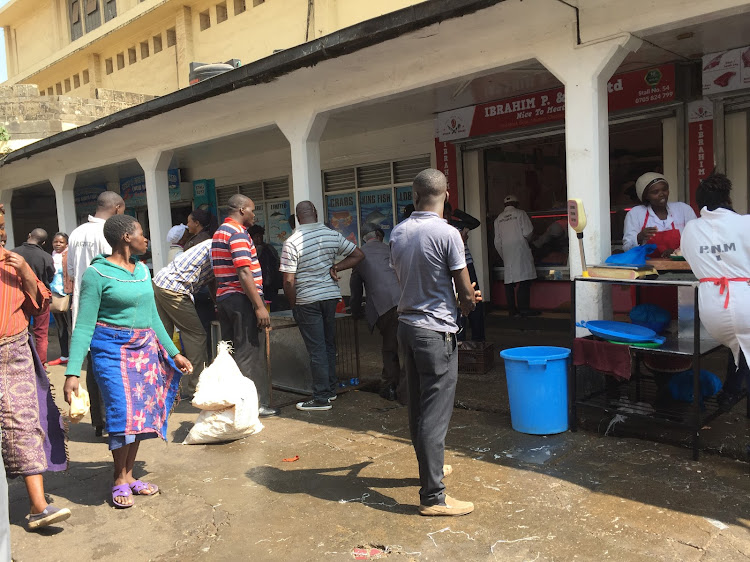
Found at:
<point>624,91</point>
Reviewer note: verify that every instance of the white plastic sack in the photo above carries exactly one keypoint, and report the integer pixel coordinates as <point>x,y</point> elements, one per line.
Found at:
<point>216,388</point>
<point>229,402</point>
<point>221,426</point>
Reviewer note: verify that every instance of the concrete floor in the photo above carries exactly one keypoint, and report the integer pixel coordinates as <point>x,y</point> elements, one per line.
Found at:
<point>354,491</point>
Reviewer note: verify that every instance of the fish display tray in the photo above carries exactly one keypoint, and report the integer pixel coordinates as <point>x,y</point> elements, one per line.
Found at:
<point>475,357</point>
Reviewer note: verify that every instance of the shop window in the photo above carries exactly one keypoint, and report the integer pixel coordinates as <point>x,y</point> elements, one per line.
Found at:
<point>239,6</point>
<point>363,198</point>
<point>204,19</point>
<point>157,43</point>
<point>258,2</point>
<point>132,59</point>
<point>67,85</point>
<point>74,16</point>
<point>85,75</point>
<point>76,81</point>
<point>110,9</point>
<point>42,93</point>
<point>144,50</point>
<point>221,12</point>
<point>108,68</point>
<point>93,15</point>
<point>120,61</point>
<point>58,89</point>
<point>171,37</point>
<point>91,6</point>
<point>50,91</point>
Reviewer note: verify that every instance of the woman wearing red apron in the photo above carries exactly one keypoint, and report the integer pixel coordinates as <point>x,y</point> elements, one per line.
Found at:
<point>656,221</point>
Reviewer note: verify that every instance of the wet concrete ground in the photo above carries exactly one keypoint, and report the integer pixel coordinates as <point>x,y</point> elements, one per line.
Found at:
<point>354,490</point>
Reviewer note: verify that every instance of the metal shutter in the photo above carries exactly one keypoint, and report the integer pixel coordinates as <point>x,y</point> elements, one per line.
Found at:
<point>253,190</point>
<point>277,188</point>
<point>339,180</point>
<point>224,193</point>
<point>404,171</point>
<point>374,175</point>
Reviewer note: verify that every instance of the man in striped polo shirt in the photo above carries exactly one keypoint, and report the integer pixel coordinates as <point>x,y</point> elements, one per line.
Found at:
<point>311,286</point>
<point>239,295</point>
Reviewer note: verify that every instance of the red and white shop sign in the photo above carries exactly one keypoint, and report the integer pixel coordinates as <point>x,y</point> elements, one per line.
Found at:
<point>445,156</point>
<point>700,144</point>
<point>625,91</point>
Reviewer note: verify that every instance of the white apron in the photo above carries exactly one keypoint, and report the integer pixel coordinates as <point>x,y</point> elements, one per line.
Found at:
<point>512,231</point>
<point>717,248</point>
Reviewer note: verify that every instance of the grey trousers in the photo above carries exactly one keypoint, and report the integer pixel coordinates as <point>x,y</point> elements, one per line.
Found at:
<point>4,523</point>
<point>177,310</point>
<point>431,364</point>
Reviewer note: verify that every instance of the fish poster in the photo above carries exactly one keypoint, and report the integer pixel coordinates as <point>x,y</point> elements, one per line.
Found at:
<point>403,199</point>
<point>342,215</point>
<point>376,211</point>
<point>278,228</point>
<point>260,214</point>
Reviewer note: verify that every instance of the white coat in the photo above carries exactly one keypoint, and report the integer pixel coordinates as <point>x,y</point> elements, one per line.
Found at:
<point>512,231</point>
<point>717,246</point>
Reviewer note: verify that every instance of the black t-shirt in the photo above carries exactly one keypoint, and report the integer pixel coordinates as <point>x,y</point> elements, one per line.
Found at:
<point>39,261</point>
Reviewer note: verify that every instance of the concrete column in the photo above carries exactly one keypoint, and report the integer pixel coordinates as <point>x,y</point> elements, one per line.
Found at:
<point>155,165</point>
<point>10,50</point>
<point>584,70</point>
<point>324,20</point>
<point>6,196</point>
<point>95,74</point>
<point>185,51</point>
<point>64,185</point>
<point>738,147</point>
<point>303,133</point>
<point>475,203</point>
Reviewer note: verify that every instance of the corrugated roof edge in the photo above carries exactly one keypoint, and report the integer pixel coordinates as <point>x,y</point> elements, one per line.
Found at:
<point>342,42</point>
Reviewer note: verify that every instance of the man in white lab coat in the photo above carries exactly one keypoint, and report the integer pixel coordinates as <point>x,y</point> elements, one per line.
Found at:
<point>513,230</point>
<point>718,250</point>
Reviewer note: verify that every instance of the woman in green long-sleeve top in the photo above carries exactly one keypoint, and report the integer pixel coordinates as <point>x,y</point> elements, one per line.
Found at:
<point>136,364</point>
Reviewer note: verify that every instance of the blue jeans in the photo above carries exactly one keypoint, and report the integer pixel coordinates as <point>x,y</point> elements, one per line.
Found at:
<point>317,324</point>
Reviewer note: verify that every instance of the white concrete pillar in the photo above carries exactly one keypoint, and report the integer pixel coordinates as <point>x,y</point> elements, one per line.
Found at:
<point>6,196</point>
<point>303,133</point>
<point>475,203</point>
<point>64,185</point>
<point>155,164</point>
<point>584,71</point>
<point>738,168</point>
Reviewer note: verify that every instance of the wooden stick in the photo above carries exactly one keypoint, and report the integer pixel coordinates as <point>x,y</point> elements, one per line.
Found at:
<point>268,364</point>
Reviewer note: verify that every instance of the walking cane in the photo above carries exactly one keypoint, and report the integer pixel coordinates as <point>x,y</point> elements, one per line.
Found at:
<point>268,364</point>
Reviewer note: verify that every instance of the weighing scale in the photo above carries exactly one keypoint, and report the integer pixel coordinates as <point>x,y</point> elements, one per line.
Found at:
<point>577,221</point>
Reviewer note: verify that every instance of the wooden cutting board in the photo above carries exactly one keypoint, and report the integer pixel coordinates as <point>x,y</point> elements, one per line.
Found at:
<point>669,265</point>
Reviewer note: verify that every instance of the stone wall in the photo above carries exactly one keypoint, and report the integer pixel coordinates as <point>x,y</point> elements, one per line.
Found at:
<point>29,117</point>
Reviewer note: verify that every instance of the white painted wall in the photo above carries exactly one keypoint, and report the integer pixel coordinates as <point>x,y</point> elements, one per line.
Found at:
<point>737,152</point>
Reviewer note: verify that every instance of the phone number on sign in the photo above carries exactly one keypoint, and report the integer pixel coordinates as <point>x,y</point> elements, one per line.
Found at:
<point>657,96</point>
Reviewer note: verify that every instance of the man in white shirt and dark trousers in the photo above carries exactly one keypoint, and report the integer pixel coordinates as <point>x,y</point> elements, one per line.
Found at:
<point>85,243</point>
<point>311,286</point>
<point>428,257</point>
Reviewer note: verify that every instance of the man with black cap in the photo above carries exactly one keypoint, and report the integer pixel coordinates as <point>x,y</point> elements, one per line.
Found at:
<point>513,229</point>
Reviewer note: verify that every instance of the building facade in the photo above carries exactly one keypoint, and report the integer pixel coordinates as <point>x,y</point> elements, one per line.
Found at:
<point>539,98</point>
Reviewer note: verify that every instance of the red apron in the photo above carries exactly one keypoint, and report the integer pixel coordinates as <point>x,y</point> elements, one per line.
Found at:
<point>664,240</point>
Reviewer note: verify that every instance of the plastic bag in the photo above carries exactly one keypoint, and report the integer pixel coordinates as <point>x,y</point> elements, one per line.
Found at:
<point>651,316</point>
<point>229,402</point>
<point>215,389</point>
<point>681,386</point>
<point>635,256</point>
<point>79,405</point>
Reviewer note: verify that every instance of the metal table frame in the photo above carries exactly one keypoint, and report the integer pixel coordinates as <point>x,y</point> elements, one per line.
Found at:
<point>694,347</point>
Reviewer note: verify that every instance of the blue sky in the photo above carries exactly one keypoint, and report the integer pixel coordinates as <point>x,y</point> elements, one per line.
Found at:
<point>3,70</point>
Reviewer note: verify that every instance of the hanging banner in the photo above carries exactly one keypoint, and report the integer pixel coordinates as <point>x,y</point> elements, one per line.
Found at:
<point>700,144</point>
<point>278,229</point>
<point>445,156</point>
<point>85,199</point>
<point>726,72</point>
<point>376,211</point>
<point>403,199</point>
<point>342,215</point>
<point>133,189</point>
<point>629,90</point>
<point>204,196</point>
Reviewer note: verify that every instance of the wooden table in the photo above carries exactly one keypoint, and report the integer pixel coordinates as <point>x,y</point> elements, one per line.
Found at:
<point>665,264</point>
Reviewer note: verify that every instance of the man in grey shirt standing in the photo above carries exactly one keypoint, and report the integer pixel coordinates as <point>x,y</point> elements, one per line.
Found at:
<point>428,257</point>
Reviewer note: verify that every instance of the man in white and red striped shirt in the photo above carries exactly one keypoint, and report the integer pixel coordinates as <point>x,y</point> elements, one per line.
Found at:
<point>239,295</point>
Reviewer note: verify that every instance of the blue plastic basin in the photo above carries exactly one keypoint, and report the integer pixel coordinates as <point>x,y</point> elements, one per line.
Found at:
<point>537,379</point>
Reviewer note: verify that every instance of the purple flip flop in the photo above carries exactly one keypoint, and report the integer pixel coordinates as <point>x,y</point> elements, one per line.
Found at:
<point>121,491</point>
<point>138,487</point>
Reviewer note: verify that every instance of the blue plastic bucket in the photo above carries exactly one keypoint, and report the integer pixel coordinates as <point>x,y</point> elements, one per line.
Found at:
<point>537,379</point>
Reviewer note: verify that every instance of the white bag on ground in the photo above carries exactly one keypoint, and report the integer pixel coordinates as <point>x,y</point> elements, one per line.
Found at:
<point>229,402</point>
